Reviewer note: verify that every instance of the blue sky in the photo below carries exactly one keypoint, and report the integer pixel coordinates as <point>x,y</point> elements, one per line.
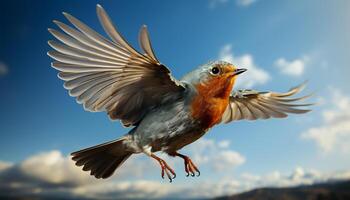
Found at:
<point>283,43</point>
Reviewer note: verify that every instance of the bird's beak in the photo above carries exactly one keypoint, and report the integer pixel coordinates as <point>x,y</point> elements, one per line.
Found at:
<point>239,71</point>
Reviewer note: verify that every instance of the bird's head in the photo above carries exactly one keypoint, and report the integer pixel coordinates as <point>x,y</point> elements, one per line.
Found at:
<point>215,78</point>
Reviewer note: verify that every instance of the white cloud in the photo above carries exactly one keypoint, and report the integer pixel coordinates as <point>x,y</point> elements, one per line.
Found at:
<point>125,189</point>
<point>299,176</point>
<point>227,160</point>
<point>215,3</point>
<point>224,143</point>
<point>206,188</point>
<point>5,165</point>
<point>3,69</point>
<point>254,75</point>
<point>334,133</point>
<point>216,155</point>
<point>156,189</point>
<point>52,167</point>
<point>245,2</point>
<point>50,174</point>
<point>242,3</point>
<point>292,68</point>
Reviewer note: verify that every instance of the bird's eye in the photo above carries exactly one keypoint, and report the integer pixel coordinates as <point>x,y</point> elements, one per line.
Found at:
<point>215,71</point>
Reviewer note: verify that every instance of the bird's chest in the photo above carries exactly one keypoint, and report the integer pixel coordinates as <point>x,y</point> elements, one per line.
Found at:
<point>208,110</point>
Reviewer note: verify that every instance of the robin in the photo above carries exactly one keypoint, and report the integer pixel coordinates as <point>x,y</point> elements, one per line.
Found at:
<point>136,88</point>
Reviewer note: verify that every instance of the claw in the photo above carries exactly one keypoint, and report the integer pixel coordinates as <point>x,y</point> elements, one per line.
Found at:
<point>186,169</point>
<point>199,173</point>
<point>196,169</point>
<point>165,169</point>
<point>190,168</point>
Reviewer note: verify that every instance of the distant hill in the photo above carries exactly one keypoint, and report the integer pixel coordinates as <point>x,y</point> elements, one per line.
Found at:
<point>339,190</point>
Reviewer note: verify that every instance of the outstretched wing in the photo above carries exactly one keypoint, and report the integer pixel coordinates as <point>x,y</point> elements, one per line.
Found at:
<point>110,75</point>
<point>252,105</point>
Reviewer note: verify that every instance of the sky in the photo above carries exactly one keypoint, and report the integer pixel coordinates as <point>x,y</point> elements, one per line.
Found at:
<point>281,43</point>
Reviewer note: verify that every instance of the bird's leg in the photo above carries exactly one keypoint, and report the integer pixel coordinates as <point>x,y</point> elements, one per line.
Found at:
<point>190,167</point>
<point>165,168</point>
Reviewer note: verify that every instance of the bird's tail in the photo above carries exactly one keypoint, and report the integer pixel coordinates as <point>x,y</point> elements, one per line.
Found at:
<point>102,160</point>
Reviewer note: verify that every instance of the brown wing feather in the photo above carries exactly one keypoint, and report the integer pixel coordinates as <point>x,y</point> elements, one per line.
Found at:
<point>110,75</point>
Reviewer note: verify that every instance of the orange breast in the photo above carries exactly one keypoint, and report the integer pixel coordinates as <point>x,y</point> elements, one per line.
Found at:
<point>211,102</point>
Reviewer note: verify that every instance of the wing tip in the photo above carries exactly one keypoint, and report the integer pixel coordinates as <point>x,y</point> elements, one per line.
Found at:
<point>49,54</point>
<point>50,43</point>
<point>51,30</point>
<point>58,23</point>
<point>98,6</point>
<point>100,9</point>
<point>143,30</point>
<point>53,66</point>
<point>300,87</point>
<point>70,17</point>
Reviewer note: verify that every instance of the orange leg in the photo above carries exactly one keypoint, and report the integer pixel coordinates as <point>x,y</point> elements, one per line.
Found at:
<point>190,167</point>
<point>165,168</point>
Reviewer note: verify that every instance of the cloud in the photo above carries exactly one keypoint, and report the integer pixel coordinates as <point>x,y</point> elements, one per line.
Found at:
<point>226,160</point>
<point>53,174</point>
<point>241,3</point>
<point>5,165</point>
<point>3,69</point>
<point>334,132</point>
<point>224,143</point>
<point>42,166</point>
<point>50,174</point>
<point>292,68</point>
<point>299,176</point>
<point>44,173</point>
<point>215,3</point>
<point>216,155</point>
<point>156,189</point>
<point>122,190</point>
<point>254,75</point>
<point>245,2</point>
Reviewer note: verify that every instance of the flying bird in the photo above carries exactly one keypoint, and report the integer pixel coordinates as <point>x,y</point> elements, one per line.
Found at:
<point>165,114</point>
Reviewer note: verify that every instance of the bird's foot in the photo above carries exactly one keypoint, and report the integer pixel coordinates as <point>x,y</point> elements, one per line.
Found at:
<point>165,168</point>
<point>190,167</point>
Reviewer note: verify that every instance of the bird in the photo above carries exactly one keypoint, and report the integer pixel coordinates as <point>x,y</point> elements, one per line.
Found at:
<point>163,114</point>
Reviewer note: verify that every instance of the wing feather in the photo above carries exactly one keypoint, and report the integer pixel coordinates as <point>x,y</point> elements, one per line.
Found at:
<point>110,75</point>
<point>83,79</point>
<point>83,38</point>
<point>72,42</point>
<point>64,49</point>
<point>252,105</point>
<point>112,32</point>
<point>86,62</point>
<point>94,36</point>
<point>145,43</point>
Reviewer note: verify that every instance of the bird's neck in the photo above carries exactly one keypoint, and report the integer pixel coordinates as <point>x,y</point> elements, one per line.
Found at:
<point>211,100</point>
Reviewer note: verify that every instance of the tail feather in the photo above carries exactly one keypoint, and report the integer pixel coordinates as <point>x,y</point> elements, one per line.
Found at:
<point>102,160</point>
